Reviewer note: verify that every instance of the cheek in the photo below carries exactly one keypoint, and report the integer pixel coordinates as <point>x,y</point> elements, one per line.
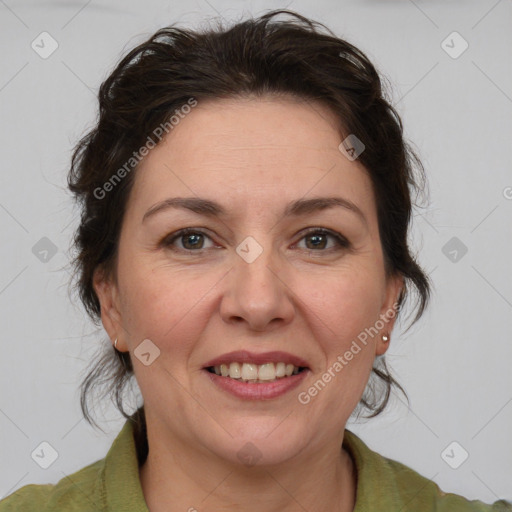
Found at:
<point>165,305</point>
<point>339,308</point>
<point>344,303</point>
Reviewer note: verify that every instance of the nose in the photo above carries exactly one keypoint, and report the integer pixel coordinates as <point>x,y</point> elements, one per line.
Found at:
<point>257,294</point>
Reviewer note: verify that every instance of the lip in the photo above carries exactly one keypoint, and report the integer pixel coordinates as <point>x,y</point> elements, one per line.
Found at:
<point>255,391</point>
<point>244,356</point>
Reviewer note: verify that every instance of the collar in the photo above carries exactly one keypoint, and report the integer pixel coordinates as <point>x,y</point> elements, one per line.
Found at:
<point>122,489</point>
<point>382,484</point>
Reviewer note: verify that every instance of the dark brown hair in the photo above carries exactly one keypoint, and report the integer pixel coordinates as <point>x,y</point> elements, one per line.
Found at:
<point>255,57</point>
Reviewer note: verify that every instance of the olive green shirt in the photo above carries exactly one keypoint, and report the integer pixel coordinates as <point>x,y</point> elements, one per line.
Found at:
<point>113,484</point>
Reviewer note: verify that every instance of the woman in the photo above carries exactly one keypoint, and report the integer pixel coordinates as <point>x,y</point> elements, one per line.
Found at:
<point>245,210</point>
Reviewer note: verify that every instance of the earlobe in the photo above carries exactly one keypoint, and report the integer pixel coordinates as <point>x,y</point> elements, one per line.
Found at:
<point>382,344</point>
<point>389,313</point>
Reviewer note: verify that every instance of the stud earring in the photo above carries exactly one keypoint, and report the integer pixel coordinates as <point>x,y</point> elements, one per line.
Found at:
<point>385,338</point>
<point>115,344</point>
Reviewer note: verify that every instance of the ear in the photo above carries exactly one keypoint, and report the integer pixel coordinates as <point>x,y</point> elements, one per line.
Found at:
<point>388,312</point>
<point>108,296</point>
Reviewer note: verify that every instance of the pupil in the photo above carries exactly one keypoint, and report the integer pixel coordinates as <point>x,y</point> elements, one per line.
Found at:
<point>188,237</point>
<point>317,237</point>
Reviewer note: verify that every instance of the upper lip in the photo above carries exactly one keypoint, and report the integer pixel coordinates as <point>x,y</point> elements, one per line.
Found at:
<point>244,356</point>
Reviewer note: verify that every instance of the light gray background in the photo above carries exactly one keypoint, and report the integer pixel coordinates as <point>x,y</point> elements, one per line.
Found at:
<point>455,363</point>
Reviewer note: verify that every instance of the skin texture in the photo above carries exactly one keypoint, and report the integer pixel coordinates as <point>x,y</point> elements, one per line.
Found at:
<point>253,156</point>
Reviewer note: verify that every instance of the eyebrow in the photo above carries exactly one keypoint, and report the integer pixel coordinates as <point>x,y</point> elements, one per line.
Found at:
<point>211,208</point>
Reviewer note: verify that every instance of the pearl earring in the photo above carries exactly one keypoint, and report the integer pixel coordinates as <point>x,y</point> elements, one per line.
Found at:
<point>385,337</point>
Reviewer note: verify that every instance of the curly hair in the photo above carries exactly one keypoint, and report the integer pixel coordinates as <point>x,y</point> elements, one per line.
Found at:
<point>256,57</point>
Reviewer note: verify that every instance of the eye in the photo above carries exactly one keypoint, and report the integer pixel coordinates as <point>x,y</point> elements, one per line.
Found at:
<point>192,239</point>
<point>319,238</point>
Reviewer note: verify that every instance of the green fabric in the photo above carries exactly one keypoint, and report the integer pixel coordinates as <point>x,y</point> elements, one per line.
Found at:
<point>112,484</point>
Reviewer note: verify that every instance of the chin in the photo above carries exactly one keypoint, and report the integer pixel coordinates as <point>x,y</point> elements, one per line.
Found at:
<point>259,442</point>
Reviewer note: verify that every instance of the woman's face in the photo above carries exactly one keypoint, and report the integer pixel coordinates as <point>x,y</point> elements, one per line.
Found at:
<point>258,277</point>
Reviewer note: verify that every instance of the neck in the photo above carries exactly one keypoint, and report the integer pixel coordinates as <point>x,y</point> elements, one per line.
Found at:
<point>178,477</point>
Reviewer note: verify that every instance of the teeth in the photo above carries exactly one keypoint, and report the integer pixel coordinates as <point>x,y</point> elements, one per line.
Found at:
<point>267,372</point>
<point>234,371</point>
<point>249,372</point>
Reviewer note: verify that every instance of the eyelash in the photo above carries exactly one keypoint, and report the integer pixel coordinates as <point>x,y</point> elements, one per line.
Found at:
<point>342,242</point>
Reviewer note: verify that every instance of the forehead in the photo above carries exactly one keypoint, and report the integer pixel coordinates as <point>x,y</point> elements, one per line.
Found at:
<point>252,151</point>
<point>264,129</point>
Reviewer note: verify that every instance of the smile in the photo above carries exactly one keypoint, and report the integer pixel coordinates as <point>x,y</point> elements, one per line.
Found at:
<point>256,373</point>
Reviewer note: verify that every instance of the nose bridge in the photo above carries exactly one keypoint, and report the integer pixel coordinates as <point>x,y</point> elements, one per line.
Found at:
<point>256,292</point>
<point>255,267</point>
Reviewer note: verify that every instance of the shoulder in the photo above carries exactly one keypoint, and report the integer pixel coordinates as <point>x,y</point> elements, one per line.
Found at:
<point>386,484</point>
<point>77,492</point>
<point>111,483</point>
<point>426,495</point>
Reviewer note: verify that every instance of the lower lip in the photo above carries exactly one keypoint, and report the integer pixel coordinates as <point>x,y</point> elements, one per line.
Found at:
<point>255,391</point>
